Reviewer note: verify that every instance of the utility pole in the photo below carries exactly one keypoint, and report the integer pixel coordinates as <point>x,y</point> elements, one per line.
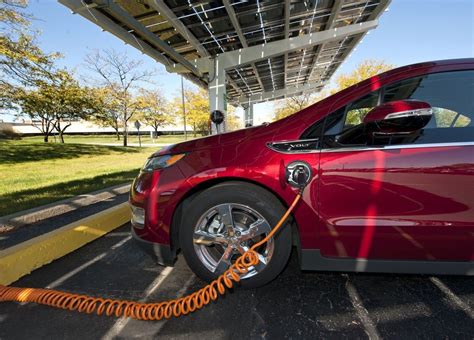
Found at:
<point>184,109</point>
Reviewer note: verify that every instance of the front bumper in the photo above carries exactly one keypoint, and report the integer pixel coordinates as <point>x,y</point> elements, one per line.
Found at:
<point>162,253</point>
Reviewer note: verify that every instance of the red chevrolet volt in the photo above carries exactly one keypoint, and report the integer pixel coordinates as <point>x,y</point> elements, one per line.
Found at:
<point>388,170</point>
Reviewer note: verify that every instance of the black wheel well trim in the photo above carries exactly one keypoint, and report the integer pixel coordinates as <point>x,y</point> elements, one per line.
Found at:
<point>193,192</point>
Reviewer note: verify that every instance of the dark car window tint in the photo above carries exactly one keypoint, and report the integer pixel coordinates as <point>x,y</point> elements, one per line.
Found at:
<point>332,124</point>
<point>451,95</point>
<point>314,131</point>
<point>335,122</point>
<point>344,126</point>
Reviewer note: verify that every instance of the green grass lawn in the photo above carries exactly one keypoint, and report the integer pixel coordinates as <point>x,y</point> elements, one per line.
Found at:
<point>33,173</point>
<point>110,139</point>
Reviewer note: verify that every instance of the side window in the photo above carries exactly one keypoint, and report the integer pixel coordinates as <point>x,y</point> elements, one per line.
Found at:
<point>314,131</point>
<point>451,95</point>
<point>358,109</point>
<point>446,118</point>
<point>342,120</point>
<point>335,122</point>
<point>331,124</point>
<point>344,127</point>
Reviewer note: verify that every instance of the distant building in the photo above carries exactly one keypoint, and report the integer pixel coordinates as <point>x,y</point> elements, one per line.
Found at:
<point>28,127</point>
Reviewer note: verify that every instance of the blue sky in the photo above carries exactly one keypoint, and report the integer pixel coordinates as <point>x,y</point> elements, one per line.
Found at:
<point>410,31</point>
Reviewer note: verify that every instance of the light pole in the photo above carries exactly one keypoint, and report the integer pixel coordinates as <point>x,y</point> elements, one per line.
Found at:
<point>184,109</point>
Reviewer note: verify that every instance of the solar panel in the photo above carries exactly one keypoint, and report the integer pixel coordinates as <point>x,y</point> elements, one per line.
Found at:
<point>182,33</point>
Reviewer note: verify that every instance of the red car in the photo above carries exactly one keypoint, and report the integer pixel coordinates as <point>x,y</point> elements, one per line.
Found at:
<point>389,165</point>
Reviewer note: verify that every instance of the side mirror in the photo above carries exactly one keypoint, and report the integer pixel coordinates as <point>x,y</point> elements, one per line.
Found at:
<point>401,116</point>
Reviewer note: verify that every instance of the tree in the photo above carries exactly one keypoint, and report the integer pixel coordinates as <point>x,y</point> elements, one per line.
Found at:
<point>6,97</point>
<point>22,62</point>
<point>54,104</point>
<point>197,109</point>
<point>154,110</point>
<point>37,105</point>
<point>69,101</point>
<point>20,58</point>
<point>106,109</point>
<point>29,80</point>
<point>364,70</point>
<point>122,76</point>
<point>232,120</point>
<point>294,104</point>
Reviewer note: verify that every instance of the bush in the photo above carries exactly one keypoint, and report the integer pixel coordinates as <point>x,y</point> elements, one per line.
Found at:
<point>7,132</point>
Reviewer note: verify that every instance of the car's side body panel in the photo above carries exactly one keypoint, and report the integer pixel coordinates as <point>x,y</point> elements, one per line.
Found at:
<point>398,203</point>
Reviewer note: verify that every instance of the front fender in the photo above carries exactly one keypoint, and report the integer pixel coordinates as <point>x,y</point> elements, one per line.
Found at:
<point>267,171</point>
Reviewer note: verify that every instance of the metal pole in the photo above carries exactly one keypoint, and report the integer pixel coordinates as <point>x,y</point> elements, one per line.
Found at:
<point>184,109</point>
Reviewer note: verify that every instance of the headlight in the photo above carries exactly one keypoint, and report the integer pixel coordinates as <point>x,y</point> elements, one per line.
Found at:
<point>161,162</point>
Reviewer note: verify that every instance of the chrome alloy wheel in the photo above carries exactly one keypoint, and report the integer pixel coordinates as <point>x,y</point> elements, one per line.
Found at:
<point>226,231</point>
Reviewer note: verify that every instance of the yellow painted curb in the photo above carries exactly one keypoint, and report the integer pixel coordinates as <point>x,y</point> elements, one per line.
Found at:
<point>25,257</point>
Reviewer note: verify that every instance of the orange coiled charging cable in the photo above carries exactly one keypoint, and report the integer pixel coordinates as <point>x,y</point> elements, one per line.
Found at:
<point>145,311</point>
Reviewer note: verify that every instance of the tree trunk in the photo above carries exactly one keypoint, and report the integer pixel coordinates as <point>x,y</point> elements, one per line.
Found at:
<point>46,138</point>
<point>125,127</point>
<point>57,126</point>
<point>61,133</point>
<point>194,129</point>
<point>125,134</point>
<point>117,130</point>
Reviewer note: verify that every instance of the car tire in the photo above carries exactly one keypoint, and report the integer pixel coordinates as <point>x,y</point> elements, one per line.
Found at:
<point>252,196</point>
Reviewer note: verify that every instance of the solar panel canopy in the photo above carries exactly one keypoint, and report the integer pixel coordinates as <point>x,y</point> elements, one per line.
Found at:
<point>269,49</point>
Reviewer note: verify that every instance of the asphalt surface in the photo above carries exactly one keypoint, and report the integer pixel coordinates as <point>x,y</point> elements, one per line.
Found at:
<point>296,305</point>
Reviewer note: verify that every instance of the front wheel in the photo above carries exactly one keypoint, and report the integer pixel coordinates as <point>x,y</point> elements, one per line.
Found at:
<point>224,221</point>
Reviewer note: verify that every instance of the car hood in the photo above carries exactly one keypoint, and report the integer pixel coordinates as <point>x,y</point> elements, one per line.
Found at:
<point>219,140</point>
<point>286,129</point>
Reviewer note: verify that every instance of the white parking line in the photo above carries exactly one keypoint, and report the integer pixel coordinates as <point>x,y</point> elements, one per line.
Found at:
<point>382,314</point>
<point>152,328</point>
<point>117,234</point>
<point>361,311</point>
<point>120,324</point>
<point>85,265</point>
<point>452,297</point>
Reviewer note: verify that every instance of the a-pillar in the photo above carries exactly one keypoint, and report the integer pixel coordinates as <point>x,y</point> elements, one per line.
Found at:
<point>217,95</point>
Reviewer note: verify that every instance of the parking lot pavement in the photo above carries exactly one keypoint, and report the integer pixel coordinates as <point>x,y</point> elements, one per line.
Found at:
<point>296,305</point>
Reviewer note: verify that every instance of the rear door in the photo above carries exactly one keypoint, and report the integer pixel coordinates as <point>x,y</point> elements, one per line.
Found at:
<point>412,199</point>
